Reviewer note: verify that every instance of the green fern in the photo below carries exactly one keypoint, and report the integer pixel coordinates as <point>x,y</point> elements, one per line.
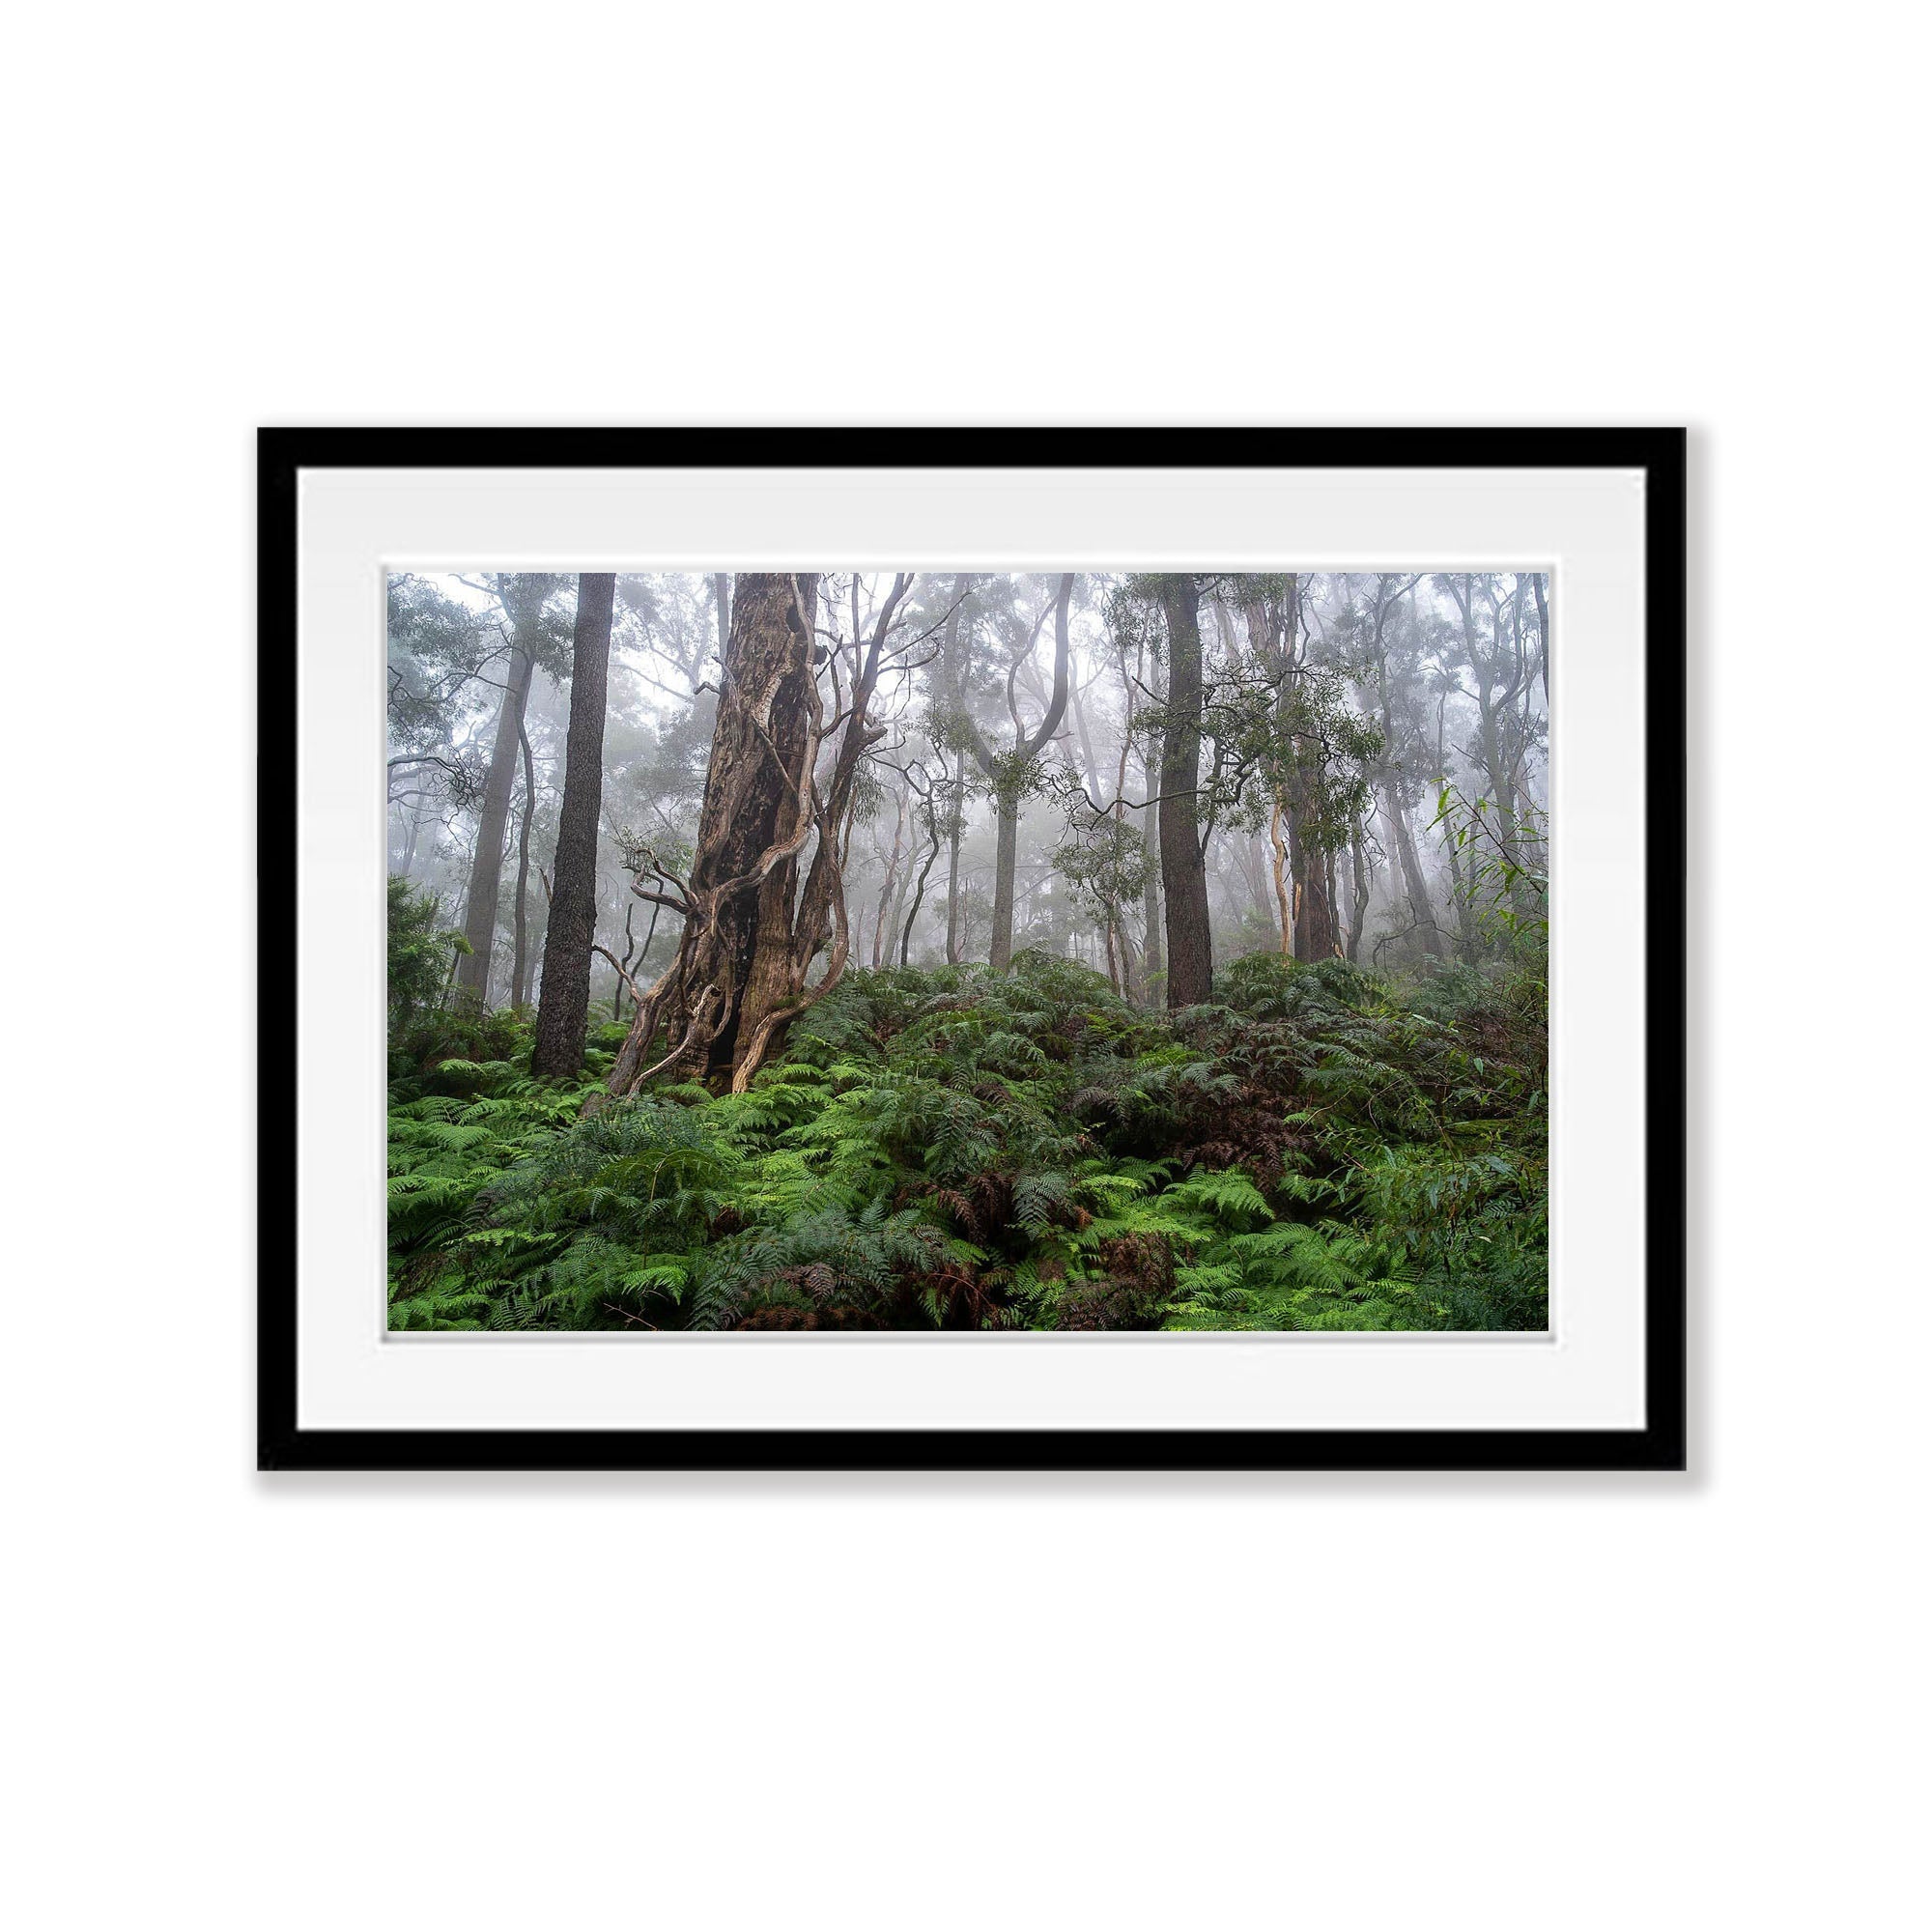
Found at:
<point>1316,1148</point>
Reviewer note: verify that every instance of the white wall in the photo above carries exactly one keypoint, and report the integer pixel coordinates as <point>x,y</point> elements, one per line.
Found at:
<point>1336,1703</point>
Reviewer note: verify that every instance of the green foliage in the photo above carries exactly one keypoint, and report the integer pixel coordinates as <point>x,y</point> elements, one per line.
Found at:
<point>1507,896</point>
<point>1320,1148</point>
<point>420,953</point>
<point>1105,861</point>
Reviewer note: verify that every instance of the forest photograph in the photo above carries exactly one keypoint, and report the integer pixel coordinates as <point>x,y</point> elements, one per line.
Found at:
<point>968,953</point>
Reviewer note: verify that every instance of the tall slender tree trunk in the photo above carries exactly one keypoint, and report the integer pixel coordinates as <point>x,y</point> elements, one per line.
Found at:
<point>1151,888</point>
<point>954,668</point>
<point>1414,884</point>
<point>1277,845</point>
<point>1309,867</point>
<point>1006,854</point>
<point>1358,890</point>
<point>1184,871</point>
<point>1308,902</point>
<point>1010,782</point>
<point>1131,983</point>
<point>1496,769</point>
<point>901,892</point>
<point>1542,632</point>
<point>957,821</point>
<point>1466,914</point>
<point>1254,868</point>
<point>520,985</point>
<point>917,897</point>
<point>1297,875</point>
<point>410,845</point>
<point>564,1009</point>
<point>486,872</point>
<point>886,889</point>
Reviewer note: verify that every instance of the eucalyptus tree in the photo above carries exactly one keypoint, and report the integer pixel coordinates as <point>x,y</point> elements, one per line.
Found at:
<point>531,633</point>
<point>949,681</point>
<point>1145,741</point>
<point>440,651</point>
<point>1310,744</point>
<point>563,1010</point>
<point>1444,683</point>
<point>1013,771</point>
<point>758,913</point>
<point>895,869</point>
<point>1500,672</point>
<point>1184,872</point>
<point>750,828</point>
<point>1391,666</point>
<point>1105,862</point>
<point>1158,615</point>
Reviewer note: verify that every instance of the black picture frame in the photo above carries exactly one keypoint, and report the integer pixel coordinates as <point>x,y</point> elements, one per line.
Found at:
<point>1659,1445</point>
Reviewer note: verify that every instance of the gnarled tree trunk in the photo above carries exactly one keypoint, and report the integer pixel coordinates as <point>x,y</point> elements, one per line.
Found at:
<point>731,964</point>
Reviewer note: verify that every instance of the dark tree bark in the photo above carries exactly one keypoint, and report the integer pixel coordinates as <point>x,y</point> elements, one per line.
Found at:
<point>564,1008</point>
<point>524,605</point>
<point>520,927</point>
<point>919,897</point>
<point>1310,864</point>
<point>1183,871</point>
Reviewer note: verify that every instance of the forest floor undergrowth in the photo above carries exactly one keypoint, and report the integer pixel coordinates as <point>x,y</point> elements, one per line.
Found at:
<point>1321,1147</point>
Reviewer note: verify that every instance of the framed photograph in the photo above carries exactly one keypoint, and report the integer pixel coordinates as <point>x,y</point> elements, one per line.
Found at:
<point>972,948</point>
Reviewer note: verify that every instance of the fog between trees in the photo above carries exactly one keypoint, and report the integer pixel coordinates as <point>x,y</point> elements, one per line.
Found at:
<point>968,951</point>
<point>1152,775</point>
